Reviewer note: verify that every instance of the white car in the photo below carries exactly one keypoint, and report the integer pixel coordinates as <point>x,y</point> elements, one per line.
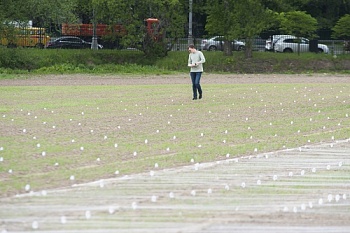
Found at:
<point>270,43</point>
<point>289,44</point>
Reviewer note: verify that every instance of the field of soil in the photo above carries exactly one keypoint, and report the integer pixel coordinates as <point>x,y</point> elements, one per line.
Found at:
<point>87,79</point>
<point>305,189</point>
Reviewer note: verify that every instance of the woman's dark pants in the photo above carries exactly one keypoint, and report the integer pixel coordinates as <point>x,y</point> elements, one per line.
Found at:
<point>196,78</point>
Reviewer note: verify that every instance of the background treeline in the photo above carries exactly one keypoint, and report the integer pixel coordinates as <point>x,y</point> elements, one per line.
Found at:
<point>51,13</point>
<point>321,19</point>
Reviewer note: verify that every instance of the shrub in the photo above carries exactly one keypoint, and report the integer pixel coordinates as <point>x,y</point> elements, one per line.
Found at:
<point>126,61</point>
<point>16,59</point>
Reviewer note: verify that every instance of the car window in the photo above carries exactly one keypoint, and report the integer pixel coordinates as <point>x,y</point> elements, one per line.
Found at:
<point>277,40</point>
<point>304,41</point>
<point>74,40</point>
<point>296,40</point>
<point>290,41</point>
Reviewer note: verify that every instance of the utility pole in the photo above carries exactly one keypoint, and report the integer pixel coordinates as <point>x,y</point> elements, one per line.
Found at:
<point>190,37</point>
<point>94,45</point>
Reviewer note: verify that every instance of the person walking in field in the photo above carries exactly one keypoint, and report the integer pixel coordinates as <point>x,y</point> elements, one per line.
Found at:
<point>195,61</point>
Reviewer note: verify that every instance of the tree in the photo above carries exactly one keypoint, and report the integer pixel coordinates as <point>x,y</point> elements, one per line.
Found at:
<point>237,18</point>
<point>326,12</point>
<point>43,13</point>
<point>84,10</point>
<point>12,10</point>
<point>299,24</point>
<point>252,18</point>
<point>342,28</point>
<point>284,5</point>
<point>132,14</point>
<point>221,21</point>
<point>47,13</point>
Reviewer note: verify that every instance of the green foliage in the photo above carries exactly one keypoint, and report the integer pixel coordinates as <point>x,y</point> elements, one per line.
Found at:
<point>107,68</point>
<point>37,58</point>
<point>115,61</point>
<point>237,19</point>
<point>16,59</point>
<point>253,18</point>
<point>326,12</point>
<point>220,19</point>
<point>298,23</point>
<point>7,33</point>
<point>46,12</point>
<point>13,10</point>
<point>43,12</point>
<point>342,29</point>
<point>132,15</point>
<point>154,49</point>
<point>286,5</point>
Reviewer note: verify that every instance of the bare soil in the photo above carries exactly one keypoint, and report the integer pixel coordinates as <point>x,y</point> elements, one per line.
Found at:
<point>86,79</point>
<point>298,190</point>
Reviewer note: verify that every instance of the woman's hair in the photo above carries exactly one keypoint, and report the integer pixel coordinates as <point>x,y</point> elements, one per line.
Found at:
<point>191,46</point>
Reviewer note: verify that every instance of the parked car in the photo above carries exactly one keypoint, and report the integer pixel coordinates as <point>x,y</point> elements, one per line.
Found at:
<point>258,44</point>
<point>70,42</point>
<point>289,44</point>
<point>217,43</point>
<point>271,41</point>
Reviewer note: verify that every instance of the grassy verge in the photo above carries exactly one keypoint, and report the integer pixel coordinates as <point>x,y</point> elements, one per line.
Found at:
<point>50,135</point>
<point>35,61</point>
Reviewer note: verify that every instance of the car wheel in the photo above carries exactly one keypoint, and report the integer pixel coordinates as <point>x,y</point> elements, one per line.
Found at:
<point>241,48</point>
<point>212,48</point>
<point>288,50</point>
<point>320,50</point>
<point>11,45</point>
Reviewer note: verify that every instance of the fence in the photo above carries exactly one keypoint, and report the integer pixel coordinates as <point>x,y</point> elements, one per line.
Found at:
<point>36,37</point>
<point>258,44</point>
<point>23,37</point>
<point>336,46</point>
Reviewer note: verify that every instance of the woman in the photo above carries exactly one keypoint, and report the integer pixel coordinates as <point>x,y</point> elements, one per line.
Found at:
<point>195,61</point>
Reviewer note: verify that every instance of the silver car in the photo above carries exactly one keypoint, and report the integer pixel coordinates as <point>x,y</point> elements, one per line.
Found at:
<point>217,43</point>
<point>292,44</point>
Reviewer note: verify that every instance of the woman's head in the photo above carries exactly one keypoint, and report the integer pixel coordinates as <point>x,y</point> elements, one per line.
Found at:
<point>191,48</point>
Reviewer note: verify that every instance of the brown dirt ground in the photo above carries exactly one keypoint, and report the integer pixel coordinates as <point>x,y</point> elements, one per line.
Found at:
<point>87,79</point>
<point>185,213</point>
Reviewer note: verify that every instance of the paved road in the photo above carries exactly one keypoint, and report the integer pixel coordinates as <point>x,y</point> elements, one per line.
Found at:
<point>305,189</point>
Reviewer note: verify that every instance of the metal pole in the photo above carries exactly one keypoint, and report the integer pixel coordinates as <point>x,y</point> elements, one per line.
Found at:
<point>190,38</point>
<point>94,45</point>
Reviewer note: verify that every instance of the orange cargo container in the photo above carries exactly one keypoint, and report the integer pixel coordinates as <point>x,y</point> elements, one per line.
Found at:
<point>86,30</point>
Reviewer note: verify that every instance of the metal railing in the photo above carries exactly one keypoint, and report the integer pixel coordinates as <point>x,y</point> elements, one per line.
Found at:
<point>335,46</point>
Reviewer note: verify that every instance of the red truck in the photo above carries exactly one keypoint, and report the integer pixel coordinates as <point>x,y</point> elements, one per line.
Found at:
<point>108,35</point>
